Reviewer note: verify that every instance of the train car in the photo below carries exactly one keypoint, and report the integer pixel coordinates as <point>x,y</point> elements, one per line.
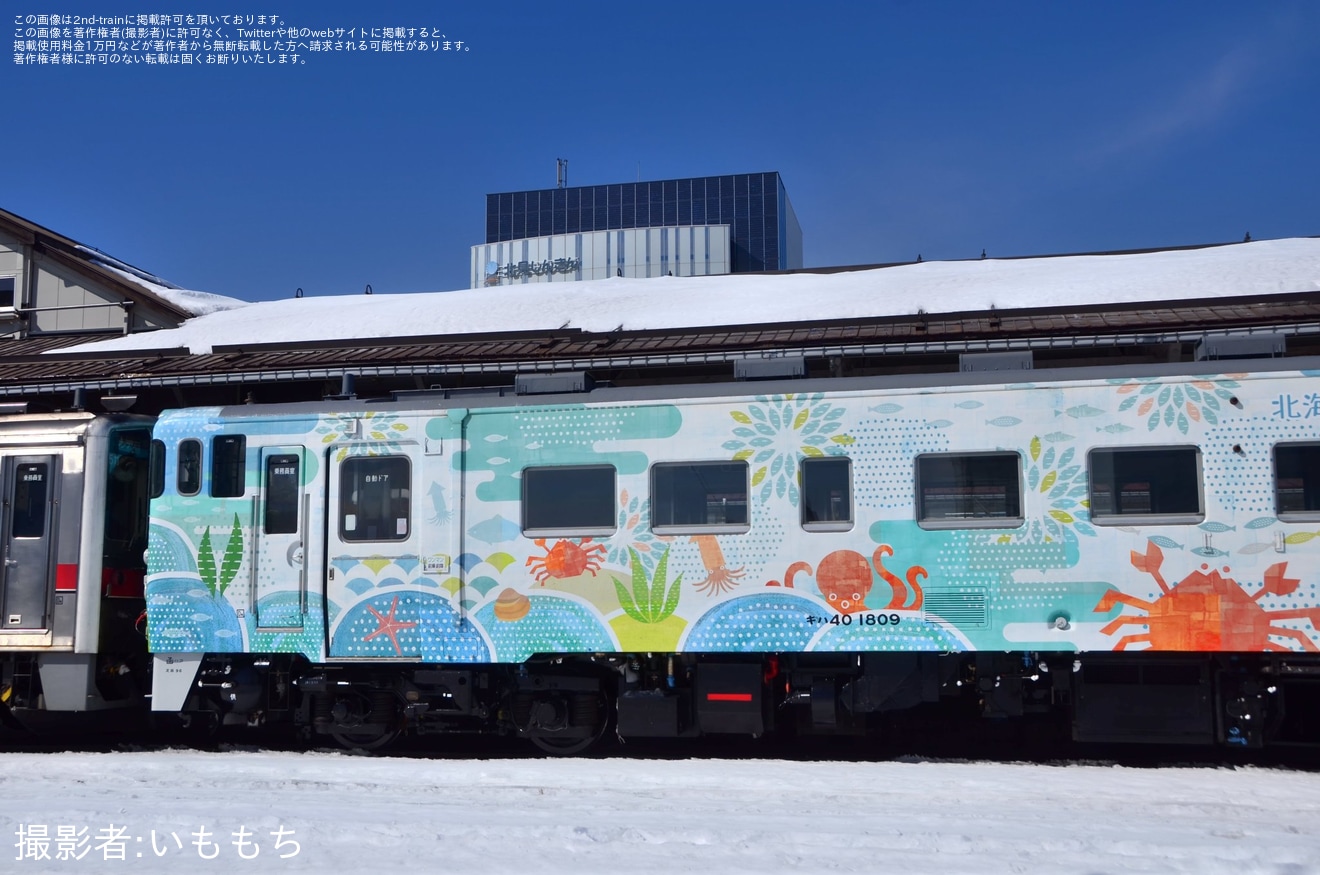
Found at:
<point>1130,551</point>
<point>74,529</point>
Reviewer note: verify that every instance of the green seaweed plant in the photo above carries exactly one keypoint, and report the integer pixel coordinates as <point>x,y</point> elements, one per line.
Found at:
<point>218,583</point>
<point>650,601</point>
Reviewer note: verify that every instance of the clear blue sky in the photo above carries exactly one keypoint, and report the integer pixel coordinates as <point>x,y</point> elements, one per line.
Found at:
<point>899,127</point>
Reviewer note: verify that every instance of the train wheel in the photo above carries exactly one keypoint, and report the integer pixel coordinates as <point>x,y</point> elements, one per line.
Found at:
<point>590,710</point>
<point>364,738</point>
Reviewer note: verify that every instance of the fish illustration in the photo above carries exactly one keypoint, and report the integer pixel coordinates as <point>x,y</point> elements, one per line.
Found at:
<point>1209,551</point>
<point>1004,421</point>
<point>1081,410</point>
<point>939,423</point>
<point>1114,428</point>
<point>886,409</point>
<point>1216,528</point>
<point>440,512</point>
<point>1057,436</point>
<point>969,405</point>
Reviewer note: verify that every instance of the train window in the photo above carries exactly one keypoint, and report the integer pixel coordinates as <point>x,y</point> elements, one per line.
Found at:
<point>156,475</point>
<point>283,492</point>
<point>228,465</point>
<point>1147,484</point>
<point>569,500</point>
<point>126,496</point>
<point>969,490</point>
<point>827,494</point>
<point>1297,481</point>
<point>189,475</point>
<point>29,508</point>
<point>699,497</point>
<point>375,498</point>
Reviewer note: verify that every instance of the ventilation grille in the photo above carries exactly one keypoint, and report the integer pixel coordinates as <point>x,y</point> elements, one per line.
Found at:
<point>965,609</point>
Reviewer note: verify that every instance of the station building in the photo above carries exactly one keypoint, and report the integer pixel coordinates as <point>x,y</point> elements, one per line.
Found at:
<point>739,223</point>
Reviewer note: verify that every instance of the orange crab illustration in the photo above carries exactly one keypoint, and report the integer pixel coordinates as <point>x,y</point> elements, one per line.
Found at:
<point>845,578</point>
<point>565,559</point>
<point>1208,611</point>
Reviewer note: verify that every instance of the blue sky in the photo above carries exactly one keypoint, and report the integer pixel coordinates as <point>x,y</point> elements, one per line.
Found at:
<point>899,127</point>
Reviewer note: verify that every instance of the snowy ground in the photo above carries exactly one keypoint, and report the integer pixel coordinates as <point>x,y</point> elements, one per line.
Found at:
<point>344,814</point>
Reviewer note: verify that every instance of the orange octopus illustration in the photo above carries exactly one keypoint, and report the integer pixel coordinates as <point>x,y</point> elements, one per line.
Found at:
<point>1208,611</point>
<point>845,578</point>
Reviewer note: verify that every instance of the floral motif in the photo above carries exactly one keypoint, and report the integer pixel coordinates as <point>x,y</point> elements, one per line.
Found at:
<point>376,432</point>
<point>635,529</point>
<point>1178,404</point>
<point>1054,475</point>
<point>774,432</point>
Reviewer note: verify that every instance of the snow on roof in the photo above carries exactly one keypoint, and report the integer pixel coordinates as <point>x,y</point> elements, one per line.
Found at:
<point>196,303</point>
<point>1264,267</point>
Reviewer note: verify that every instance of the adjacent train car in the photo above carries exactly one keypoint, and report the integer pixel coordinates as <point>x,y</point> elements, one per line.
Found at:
<point>1132,550</point>
<point>74,531</point>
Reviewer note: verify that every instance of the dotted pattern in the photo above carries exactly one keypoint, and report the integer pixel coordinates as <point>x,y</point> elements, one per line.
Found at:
<point>183,617</point>
<point>911,634</point>
<point>882,460</point>
<point>554,624</point>
<point>425,626</point>
<point>765,621</point>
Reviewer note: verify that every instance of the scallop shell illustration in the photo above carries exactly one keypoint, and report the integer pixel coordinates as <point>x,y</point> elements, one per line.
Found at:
<point>512,605</point>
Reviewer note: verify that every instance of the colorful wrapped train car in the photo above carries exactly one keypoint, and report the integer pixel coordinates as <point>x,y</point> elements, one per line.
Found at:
<point>1132,549</point>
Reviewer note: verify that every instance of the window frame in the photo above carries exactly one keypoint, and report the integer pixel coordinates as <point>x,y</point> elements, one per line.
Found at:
<point>1149,518</point>
<point>831,525</point>
<point>351,464</point>
<point>269,494</point>
<point>1303,515</point>
<point>724,528</point>
<point>179,466</point>
<point>228,468</point>
<point>945,523</point>
<point>156,469</point>
<point>533,472</point>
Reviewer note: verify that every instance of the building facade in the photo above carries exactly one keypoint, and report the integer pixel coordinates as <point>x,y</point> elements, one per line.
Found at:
<point>738,223</point>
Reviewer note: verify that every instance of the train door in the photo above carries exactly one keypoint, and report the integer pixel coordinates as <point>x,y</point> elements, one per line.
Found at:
<point>372,546</point>
<point>29,535</point>
<point>279,598</point>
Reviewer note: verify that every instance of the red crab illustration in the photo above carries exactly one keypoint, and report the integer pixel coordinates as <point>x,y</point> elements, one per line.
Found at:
<point>1207,611</point>
<point>845,578</point>
<point>566,559</point>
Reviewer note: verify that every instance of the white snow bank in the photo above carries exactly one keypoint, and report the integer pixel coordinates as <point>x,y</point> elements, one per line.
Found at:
<point>1260,268</point>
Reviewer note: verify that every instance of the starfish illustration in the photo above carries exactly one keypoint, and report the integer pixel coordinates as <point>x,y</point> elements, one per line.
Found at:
<point>389,626</point>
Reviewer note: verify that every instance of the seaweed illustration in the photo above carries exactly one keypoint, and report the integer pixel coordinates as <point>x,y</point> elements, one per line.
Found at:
<point>650,601</point>
<point>233,557</point>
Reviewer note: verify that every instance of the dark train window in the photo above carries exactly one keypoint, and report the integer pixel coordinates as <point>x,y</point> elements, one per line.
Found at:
<point>228,465</point>
<point>971,490</point>
<point>29,510</point>
<point>375,498</point>
<point>126,495</point>
<point>699,497</point>
<point>156,477</point>
<point>283,494</point>
<point>1157,484</point>
<point>826,494</point>
<point>189,477</point>
<point>1297,481</point>
<point>569,500</point>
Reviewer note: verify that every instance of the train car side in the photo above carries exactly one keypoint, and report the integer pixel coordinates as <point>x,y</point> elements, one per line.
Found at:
<point>1130,550</point>
<point>74,527</point>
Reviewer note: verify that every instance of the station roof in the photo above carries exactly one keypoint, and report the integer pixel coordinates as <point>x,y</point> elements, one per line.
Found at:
<point>1146,306</point>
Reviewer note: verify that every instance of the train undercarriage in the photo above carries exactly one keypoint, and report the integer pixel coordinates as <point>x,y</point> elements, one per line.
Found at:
<point>569,704</point>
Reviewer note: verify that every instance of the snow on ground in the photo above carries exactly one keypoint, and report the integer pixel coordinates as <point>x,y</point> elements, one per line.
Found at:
<point>357,814</point>
<point>1262,268</point>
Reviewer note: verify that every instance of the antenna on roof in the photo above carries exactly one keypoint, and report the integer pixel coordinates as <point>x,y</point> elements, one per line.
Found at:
<point>1247,239</point>
<point>561,172</point>
<point>983,253</point>
<point>368,291</point>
